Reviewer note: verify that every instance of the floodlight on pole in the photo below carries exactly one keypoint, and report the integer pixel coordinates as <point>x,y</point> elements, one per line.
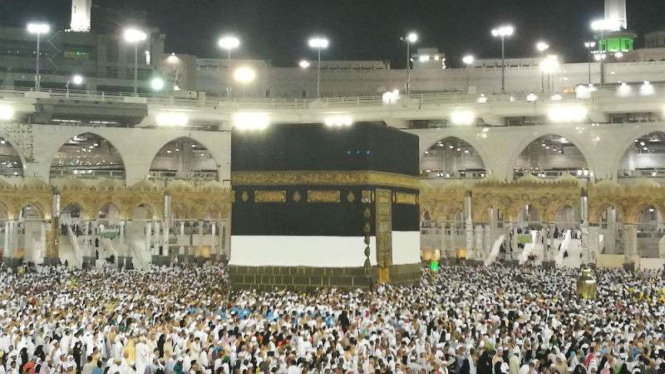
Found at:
<point>76,80</point>
<point>229,43</point>
<point>409,39</point>
<point>318,43</point>
<point>468,61</point>
<point>589,46</point>
<point>304,64</point>
<point>157,84</point>
<point>135,36</point>
<point>503,32</point>
<point>173,59</point>
<point>38,29</point>
<point>549,66</point>
<point>542,47</point>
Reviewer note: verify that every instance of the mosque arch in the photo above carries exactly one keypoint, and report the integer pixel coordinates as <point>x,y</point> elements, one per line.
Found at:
<point>550,156</point>
<point>87,155</point>
<point>31,212</point>
<point>184,158</point>
<point>143,212</point>
<point>488,212</point>
<point>11,160</point>
<point>453,158</point>
<point>110,212</point>
<point>71,212</point>
<point>650,231</point>
<point>605,213</point>
<point>529,216</point>
<point>5,213</point>
<point>566,217</point>
<point>643,157</point>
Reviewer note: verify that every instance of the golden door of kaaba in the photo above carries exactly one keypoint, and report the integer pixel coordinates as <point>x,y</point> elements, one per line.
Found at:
<point>384,234</point>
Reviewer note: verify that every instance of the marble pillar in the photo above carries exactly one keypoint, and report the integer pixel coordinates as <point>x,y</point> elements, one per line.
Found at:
<point>468,227</point>
<point>631,257</point>
<point>480,236</point>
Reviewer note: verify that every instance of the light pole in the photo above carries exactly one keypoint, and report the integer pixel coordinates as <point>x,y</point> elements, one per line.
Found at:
<point>411,38</point>
<point>468,61</point>
<point>541,47</point>
<point>503,32</point>
<point>135,36</point>
<point>600,57</point>
<point>229,43</point>
<point>548,66</point>
<point>589,46</point>
<point>304,64</point>
<point>318,43</point>
<point>76,80</point>
<point>244,75</point>
<point>38,29</point>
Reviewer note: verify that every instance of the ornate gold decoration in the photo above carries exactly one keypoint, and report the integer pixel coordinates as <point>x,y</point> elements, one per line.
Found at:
<point>350,197</point>
<point>384,229</point>
<point>336,178</point>
<point>323,196</point>
<point>405,198</point>
<point>367,213</point>
<point>244,196</point>
<point>267,196</point>
<point>366,196</point>
<point>296,196</point>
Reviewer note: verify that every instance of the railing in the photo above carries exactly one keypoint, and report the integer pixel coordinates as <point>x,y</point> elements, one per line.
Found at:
<point>331,102</point>
<point>552,174</point>
<point>87,174</point>
<point>204,176</point>
<point>642,173</point>
<point>437,174</point>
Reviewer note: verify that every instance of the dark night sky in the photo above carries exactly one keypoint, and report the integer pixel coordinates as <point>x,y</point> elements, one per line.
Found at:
<point>277,30</point>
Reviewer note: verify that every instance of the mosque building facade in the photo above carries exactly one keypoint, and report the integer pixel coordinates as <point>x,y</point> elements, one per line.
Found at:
<point>94,172</point>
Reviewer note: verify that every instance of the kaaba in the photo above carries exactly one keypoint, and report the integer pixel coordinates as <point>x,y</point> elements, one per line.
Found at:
<point>317,206</point>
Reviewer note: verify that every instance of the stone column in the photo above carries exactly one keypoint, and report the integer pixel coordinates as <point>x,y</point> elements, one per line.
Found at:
<point>514,243</point>
<point>14,242</point>
<point>182,234</point>
<point>167,224</point>
<point>453,232</point>
<point>470,252</point>
<point>611,232</point>
<point>6,250</point>
<point>631,257</point>
<point>213,229</point>
<point>480,236</point>
<point>200,238</point>
<point>156,237</point>
<point>444,244</point>
<point>489,230</point>
<point>594,244</point>
<point>52,236</point>
<point>548,248</point>
<point>148,237</point>
<point>43,244</point>
<point>93,239</point>
<point>584,210</point>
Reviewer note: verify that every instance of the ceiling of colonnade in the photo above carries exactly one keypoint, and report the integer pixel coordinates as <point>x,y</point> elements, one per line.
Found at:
<point>452,158</point>
<point>87,155</point>
<point>551,156</point>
